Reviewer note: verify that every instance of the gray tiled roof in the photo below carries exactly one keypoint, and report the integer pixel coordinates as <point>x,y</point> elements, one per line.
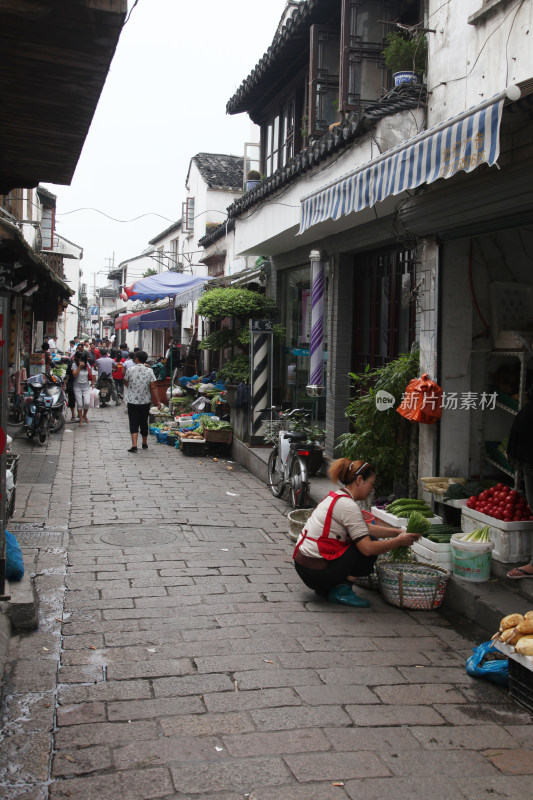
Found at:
<point>220,171</point>
<point>401,98</point>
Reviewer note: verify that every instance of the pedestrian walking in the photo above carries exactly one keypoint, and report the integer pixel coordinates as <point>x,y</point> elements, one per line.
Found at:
<point>68,383</point>
<point>118,372</point>
<point>82,374</point>
<point>140,393</point>
<point>337,542</point>
<point>104,366</point>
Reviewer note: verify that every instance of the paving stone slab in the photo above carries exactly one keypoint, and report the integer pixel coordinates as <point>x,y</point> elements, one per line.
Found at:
<point>336,766</point>
<point>236,774</point>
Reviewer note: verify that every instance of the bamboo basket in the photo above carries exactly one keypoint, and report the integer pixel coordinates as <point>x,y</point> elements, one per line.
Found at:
<point>416,586</point>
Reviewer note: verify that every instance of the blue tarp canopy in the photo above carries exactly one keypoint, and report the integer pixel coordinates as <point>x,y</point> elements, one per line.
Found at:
<point>164,284</point>
<point>155,320</point>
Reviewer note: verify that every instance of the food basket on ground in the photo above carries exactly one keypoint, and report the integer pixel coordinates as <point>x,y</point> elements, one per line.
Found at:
<point>417,586</point>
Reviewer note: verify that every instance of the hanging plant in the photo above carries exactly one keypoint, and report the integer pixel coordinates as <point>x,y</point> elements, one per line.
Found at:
<point>243,303</point>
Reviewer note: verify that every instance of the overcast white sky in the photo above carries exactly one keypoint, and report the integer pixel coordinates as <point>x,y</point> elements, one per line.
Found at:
<point>176,66</point>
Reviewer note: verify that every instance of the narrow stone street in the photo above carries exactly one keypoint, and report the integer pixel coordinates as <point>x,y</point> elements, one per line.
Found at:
<point>178,655</point>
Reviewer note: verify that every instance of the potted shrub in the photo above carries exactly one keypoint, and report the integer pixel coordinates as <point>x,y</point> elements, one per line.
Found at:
<point>253,179</point>
<point>406,57</point>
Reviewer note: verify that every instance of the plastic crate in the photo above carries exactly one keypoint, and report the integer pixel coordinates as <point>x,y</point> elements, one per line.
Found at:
<point>399,522</point>
<point>427,556</point>
<point>513,541</point>
<point>521,684</point>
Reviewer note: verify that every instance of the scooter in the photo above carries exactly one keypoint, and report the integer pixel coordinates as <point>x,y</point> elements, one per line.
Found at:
<point>54,389</point>
<point>37,409</point>
<point>105,387</point>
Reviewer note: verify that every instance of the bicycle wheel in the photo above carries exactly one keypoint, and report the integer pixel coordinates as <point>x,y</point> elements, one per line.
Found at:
<point>275,474</point>
<point>298,483</point>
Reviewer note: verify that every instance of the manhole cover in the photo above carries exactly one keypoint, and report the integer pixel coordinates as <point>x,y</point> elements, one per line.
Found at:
<point>137,538</point>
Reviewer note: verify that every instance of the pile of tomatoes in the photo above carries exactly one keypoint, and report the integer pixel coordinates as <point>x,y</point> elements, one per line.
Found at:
<point>501,502</point>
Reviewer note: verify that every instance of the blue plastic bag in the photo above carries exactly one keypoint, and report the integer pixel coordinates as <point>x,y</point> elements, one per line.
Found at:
<point>494,671</point>
<point>14,559</point>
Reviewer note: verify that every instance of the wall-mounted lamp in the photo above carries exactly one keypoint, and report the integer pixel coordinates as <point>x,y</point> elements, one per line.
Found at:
<point>19,286</point>
<point>31,290</point>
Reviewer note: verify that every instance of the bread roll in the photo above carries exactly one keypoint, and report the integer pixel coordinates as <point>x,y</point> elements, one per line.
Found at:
<point>525,627</point>
<point>528,615</point>
<point>524,646</point>
<point>510,621</point>
<point>510,636</point>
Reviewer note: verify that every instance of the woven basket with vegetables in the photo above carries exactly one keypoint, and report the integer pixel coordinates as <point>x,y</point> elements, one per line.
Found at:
<point>412,585</point>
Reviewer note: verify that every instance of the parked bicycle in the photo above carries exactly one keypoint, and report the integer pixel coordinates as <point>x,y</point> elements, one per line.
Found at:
<point>287,465</point>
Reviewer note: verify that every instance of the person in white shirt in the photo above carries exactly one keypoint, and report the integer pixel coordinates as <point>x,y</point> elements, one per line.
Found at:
<point>140,392</point>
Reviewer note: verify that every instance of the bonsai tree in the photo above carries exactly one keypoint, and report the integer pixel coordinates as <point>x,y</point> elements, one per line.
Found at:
<point>380,436</point>
<point>253,175</point>
<point>240,305</point>
<point>406,53</point>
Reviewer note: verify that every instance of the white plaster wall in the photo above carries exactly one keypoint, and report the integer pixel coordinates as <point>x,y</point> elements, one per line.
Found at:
<point>426,335</point>
<point>469,63</point>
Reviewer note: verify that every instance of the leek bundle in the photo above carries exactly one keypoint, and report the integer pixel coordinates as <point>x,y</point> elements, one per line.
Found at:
<point>417,524</point>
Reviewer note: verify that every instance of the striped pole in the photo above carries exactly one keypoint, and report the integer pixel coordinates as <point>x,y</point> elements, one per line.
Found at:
<point>316,361</point>
<point>259,388</point>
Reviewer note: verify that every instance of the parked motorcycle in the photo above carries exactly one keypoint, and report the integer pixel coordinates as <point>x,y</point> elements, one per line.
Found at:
<point>54,389</point>
<point>38,409</point>
<point>105,386</point>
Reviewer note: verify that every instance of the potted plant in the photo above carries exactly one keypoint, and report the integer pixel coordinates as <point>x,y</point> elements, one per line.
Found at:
<point>406,57</point>
<point>380,436</point>
<point>253,179</point>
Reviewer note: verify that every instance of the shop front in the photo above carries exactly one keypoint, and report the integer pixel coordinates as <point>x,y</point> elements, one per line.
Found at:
<point>296,319</point>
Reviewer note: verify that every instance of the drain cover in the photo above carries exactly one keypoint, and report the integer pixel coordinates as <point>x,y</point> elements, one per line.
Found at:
<point>137,538</point>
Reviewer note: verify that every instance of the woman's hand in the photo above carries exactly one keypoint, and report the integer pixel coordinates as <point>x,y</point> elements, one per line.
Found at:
<point>405,539</point>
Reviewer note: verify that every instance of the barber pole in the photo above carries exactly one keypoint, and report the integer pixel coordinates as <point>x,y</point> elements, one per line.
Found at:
<point>261,340</point>
<point>316,361</point>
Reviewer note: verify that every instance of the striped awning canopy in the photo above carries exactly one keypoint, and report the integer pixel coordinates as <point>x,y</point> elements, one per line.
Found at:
<point>461,143</point>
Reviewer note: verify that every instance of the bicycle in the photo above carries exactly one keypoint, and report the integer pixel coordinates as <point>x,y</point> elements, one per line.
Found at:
<point>287,467</point>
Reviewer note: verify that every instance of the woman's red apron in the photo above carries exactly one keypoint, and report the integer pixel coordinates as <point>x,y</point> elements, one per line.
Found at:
<point>328,548</point>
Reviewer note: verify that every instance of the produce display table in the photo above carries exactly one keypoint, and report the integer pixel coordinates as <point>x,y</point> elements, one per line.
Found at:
<point>520,675</point>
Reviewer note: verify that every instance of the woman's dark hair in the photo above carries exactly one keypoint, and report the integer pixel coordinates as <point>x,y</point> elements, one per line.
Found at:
<point>131,354</point>
<point>142,356</point>
<point>83,358</point>
<point>345,471</point>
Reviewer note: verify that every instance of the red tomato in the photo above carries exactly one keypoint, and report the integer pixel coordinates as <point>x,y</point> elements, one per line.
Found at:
<point>514,495</point>
<point>499,486</point>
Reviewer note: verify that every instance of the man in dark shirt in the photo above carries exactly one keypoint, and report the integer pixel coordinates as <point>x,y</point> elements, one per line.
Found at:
<point>105,366</point>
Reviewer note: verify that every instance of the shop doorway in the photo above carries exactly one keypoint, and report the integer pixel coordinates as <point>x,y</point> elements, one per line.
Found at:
<point>384,311</point>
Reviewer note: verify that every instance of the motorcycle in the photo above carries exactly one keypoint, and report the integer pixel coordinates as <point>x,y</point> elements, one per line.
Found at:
<point>38,409</point>
<point>54,389</point>
<point>105,387</point>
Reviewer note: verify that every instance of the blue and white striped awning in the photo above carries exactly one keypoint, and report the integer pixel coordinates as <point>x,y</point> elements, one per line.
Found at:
<point>461,143</point>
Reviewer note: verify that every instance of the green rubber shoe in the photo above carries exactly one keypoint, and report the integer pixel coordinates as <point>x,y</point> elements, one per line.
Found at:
<point>344,595</point>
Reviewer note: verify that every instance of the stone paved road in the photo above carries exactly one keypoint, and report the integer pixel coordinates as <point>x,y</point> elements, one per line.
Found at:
<point>179,657</point>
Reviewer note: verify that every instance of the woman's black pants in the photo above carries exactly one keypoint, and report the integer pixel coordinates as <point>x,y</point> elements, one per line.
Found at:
<point>322,581</point>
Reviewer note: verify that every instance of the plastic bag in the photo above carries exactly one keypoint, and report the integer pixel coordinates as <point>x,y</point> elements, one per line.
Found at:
<point>422,401</point>
<point>494,671</point>
<point>14,559</point>
<point>94,398</point>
